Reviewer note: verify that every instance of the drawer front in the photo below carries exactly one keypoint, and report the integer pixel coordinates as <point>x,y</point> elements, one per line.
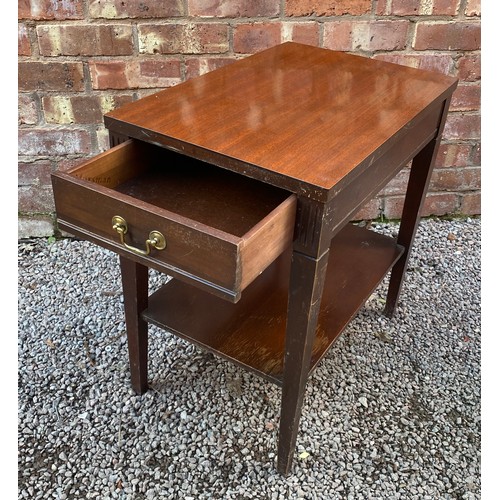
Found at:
<point>194,251</point>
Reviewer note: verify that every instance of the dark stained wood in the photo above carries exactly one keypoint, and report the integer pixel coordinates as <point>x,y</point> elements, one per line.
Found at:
<point>278,113</point>
<point>311,236</point>
<point>420,175</point>
<point>90,208</point>
<point>116,139</point>
<point>330,127</point>
<point>305,289</point>
<point>222,229</point>
<point>78,231</point>
<point>307,277</point>
<point>196,190</point>
<point>135,297</point>
<point>346,202</point>
<point>251,333</point>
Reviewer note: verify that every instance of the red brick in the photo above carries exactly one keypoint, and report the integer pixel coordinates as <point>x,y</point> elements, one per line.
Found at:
<point>460,126</point>
<point>338,35</point>
<point>369,211</point>
<point>456,179</point>
<point>453,155</point>
<point>88,40</point>
<point>148,73</point>
<point>469,67</point>
<point>393,207</point>
<point>156,71</point>
<point>250,38</point>
<point>64,76</point>
<point>440,204</point>
<point>307,33</point>
<point>470,204</point>
<point>365,35</point>
<point>102,135</point>
<point>326,7</point>
<point>80,109</point>
<point>398,7</point>
<point>442,63</point>
<point>447,36</point>
<point>417,7</point>
<point>23,41</point>
<point>120,9</point>
<point>473,8</point>
<point>434,204</point>
<point>50,9</point>
<point>201,65</point>
<point>199,38</point>
<point>466,98</point>
<point>382,7</point>
<point>38,199</point>
<point>445,7</point>
<point>50,142</point>
<point>233,8</point>
<point>475,158</point>
<point>27,109</point>
<point>34,173</point>
<point>397,185</point>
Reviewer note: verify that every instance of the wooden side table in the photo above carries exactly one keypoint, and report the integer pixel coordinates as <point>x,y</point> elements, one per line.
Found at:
<point>240,184</point>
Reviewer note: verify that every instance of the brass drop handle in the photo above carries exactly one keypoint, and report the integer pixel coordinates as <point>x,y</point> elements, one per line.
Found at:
<point>156,239</point>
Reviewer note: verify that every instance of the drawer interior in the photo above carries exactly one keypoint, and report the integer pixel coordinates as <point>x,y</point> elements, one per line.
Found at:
<point>188,187</point>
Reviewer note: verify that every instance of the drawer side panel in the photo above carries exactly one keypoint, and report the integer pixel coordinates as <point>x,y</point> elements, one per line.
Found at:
<point>267,240</point>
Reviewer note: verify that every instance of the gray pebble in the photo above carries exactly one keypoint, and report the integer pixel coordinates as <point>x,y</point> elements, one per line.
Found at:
<point>393,407</point>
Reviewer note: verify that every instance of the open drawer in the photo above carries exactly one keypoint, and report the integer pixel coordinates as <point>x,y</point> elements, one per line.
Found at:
<point>195,221</point>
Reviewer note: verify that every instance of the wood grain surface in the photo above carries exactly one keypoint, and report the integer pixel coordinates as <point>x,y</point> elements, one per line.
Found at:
<point>251,333</point>
<point>221,229</point>
<point>304,117</point>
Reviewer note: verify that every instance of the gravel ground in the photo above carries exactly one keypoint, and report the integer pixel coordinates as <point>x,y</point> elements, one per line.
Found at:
<point>393,411</point>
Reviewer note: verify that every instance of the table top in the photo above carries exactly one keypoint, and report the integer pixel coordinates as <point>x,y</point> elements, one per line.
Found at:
<point>296,115</point>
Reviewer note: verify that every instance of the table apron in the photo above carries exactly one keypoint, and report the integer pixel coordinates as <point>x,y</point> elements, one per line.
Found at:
<point>345,204</point>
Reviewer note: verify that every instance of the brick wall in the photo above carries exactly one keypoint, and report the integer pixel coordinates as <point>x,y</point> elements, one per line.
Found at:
<point>79,59</point>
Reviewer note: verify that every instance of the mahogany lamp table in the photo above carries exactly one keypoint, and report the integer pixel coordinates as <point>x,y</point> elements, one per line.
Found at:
<point>240,184</point>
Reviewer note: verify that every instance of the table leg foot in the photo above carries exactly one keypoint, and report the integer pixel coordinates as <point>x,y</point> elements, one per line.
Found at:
<point>306,286</point>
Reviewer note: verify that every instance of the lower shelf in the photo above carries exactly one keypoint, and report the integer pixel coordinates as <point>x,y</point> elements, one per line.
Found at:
<point>251,332</point>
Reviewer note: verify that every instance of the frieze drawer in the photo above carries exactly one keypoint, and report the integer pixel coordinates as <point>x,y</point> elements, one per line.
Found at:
<point>190,219</point>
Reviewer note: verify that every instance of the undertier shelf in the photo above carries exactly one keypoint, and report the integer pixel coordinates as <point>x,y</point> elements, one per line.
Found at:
<point>251,333</point>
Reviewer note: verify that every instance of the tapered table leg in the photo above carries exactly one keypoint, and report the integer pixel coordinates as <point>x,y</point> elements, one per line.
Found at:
<point>306,287</point>
<point>135,298</point>
<point>420,175</point>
